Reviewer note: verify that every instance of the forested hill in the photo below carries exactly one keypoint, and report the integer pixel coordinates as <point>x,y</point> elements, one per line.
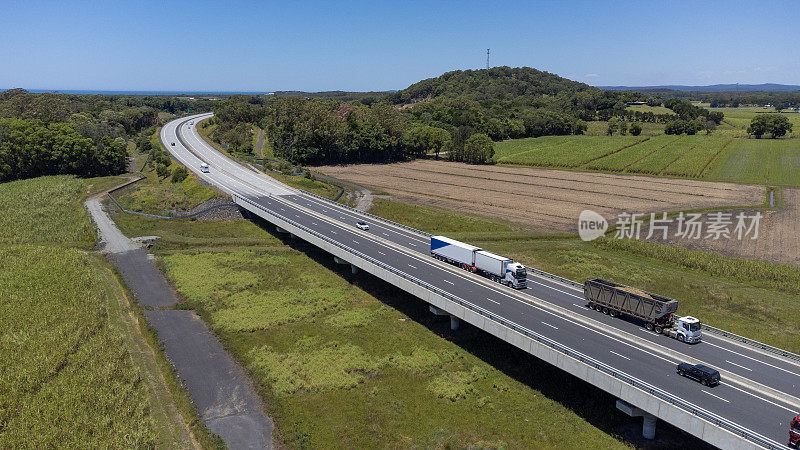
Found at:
<point>497,83</point>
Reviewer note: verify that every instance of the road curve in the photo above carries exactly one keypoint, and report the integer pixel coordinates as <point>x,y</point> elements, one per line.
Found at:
<point>547,307</point>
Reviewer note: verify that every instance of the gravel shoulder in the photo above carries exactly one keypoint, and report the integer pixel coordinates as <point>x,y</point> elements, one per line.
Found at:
<point>222,394</point>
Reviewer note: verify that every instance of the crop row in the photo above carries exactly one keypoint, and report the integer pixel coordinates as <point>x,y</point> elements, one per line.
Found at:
<point>563,151</point>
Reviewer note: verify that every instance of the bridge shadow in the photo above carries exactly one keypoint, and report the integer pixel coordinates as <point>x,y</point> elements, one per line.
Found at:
<point>593,405</point>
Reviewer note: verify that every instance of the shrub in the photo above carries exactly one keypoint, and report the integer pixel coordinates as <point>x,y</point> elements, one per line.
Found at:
<point>179,174</point>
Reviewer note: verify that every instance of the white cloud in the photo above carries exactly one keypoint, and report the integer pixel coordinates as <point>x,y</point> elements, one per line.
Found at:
<point>591,75</point>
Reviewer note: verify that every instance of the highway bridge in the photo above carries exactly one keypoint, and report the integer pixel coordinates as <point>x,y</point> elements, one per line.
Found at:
<point>752,407</point>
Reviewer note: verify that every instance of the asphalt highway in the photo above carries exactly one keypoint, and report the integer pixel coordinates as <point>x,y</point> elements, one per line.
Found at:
<point>572,323</point>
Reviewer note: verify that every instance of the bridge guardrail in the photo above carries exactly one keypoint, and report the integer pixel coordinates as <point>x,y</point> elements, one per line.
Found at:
<point>709,328</point>
<point>622,376</point>
<point>373,216</point>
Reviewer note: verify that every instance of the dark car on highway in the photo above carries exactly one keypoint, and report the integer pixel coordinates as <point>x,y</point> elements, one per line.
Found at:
<point>699,372</point>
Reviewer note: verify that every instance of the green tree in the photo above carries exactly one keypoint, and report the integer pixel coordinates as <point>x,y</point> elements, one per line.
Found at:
<point>779,125</point>
<point>623,127</point>
<point>635,129</point>
<point>613,126</point>
<point>179,174</point>
<point>163,171</point>
<point>478,149</point>
<point>760,125</point>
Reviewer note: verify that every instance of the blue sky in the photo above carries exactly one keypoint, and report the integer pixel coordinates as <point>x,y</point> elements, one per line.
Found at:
<point>373,45</point>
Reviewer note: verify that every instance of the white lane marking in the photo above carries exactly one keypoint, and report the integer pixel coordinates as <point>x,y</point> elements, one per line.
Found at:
<point>761,398</point>
<point>621,356</point>
<point>315,223</point>
<point>413,245</point>
<point>551,326</point>
<point>493,301</point>
<point>355,241</point>
<point>579,306</point>
<point>413,267</point>
<point>384,254</point>
<point>384,234</point>
<point>446,281</point>
<point>559,290</point>
<point>737,365</point>
<point>750,357</point>
<point>717,396</point>
<point>297,216</point>
<point>334,232</point>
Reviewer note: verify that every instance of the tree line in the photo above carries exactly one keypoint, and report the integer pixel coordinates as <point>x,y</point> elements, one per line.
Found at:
<point>85,135</point>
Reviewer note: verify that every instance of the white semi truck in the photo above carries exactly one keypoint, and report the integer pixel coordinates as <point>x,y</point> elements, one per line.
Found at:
<point>495,267</point>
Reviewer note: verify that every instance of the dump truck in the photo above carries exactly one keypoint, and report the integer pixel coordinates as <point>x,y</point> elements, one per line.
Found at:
<point>475,259</point>
<point>657,311</point>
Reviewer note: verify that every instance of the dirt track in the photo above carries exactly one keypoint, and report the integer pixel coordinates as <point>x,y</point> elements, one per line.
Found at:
<point>547,200</point>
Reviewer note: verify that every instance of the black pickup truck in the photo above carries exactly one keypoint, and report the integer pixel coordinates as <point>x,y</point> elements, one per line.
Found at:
<point>699,372</point>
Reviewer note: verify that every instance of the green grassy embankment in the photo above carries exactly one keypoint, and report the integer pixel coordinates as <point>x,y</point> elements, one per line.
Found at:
<point>350,360</point>
<point>77,367</point>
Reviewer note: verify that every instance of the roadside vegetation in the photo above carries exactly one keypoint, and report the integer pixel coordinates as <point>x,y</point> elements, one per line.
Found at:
<point>345,358</point>
<point>84,135</point>
<point>76,370</point>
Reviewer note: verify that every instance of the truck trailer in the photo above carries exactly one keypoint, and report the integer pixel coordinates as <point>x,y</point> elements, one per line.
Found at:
<point>495,267</point>
<point>657,311</point>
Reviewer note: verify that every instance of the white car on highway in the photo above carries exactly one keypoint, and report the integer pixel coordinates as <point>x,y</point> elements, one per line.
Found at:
<point>362,225</point>
<point>204,168</point>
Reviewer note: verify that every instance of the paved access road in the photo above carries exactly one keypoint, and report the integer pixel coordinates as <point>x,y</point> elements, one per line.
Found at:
<point>546,307</point>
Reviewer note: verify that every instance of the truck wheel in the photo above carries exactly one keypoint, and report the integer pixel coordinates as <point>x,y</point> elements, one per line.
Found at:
<point>612,313</point>
<point>649,326</point>
<point>591,306</point>
<point>605,310</point>
<point>658,329</point>
<point>681,338</point>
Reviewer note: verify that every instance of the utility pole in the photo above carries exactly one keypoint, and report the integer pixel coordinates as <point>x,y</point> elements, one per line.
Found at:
<point>487,59</point>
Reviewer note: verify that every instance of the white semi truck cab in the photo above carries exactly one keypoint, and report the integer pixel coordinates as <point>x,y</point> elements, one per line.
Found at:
<point>685,329</point>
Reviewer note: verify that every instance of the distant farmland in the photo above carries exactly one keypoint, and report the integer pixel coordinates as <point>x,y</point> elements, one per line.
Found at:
<point>715,157</point>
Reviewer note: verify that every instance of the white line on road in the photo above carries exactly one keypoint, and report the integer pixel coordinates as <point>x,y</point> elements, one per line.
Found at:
<point>551,326</point>
<point>413,245</point>
<point>717,396</point>
<point>334,232</point>
<point>750,357</point>
<point>384,254</point>
<point>621,356</point>
<point>355,241</point>
<point>761,398</point>
<point>737,365</point>
<point>579,306</point>
<point>493,301</point>
<point>413,267</point>
<point>449,282</point>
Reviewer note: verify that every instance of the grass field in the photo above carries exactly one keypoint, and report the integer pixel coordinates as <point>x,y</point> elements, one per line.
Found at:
<point>652,109</point>
<point>720,156</point>
<point>760,161</point>
<point>560,151</point>
<point>49,210</point>
<point>348,360</point>
<point>74,371</point>
<point>741,118</point>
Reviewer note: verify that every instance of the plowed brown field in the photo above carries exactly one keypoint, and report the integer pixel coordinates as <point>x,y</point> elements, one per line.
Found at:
<point>547,200</point>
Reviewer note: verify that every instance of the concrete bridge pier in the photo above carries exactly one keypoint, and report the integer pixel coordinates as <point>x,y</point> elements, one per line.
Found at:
<point>353,269</point>
<point>648,420</point>
<point>454,321</point>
